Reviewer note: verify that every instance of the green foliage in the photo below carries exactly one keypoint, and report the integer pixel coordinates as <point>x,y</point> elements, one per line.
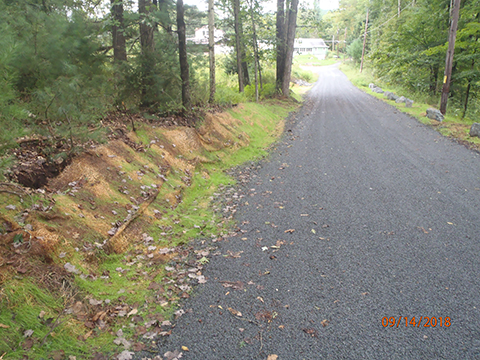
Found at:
<point>409,50</point>
<point>20,305</point>
<point>354,50</point>
<point>300,74</point>
<point>50,66</point>
<point>11,112</point>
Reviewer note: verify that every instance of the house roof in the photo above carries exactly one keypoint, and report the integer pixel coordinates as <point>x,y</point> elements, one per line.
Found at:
<point>202,27</point>
<point>310,43</point>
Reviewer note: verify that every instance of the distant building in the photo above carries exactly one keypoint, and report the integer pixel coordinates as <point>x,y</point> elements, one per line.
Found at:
<point>315,47</point>
<point>201,35</point>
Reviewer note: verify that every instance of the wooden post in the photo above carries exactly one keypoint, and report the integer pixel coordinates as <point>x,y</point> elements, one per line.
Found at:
<point>364,42</point>
<point>449,58</point>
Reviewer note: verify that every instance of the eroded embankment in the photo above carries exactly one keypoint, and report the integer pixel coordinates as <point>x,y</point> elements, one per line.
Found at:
<point>92,252</point>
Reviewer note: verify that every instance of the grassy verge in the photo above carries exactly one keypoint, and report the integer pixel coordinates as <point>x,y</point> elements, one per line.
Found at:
<point>452,126</point>
<point>310,60</point>
<point>63,294</point>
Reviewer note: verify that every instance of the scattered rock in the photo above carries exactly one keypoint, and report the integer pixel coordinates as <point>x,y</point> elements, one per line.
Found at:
<point>408,103</point>
<point>434,114</point>
<point>475,130</point>
<point>10,207</point>
<point>300,82</point>
<point>400,99</point>
<point>390,96</point>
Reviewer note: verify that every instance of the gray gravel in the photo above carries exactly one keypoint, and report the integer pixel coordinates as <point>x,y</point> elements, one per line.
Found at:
<point>386,222</point>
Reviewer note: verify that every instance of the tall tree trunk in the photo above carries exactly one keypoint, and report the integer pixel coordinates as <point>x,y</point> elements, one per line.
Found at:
<point>280,43</point>
<point>255,50</point>
<point>449,58</point>
<point>118,38</point>
<point>467,94</point>
<point>236,15</point>
<point>182,51</point>
<point>148,46</point>
<point>211,48</point>
<point>433,79</point>
<point>292,26</point>
<point>246,77</point>
<point>364,42</point>
<point>146,31</point>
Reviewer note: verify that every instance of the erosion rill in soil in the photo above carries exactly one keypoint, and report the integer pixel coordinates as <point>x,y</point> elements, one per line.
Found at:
<point>95,261</point>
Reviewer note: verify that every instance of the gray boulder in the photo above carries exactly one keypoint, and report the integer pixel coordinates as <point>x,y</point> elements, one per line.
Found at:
<point>408,103</point>
<point>400,99</point>
<point>390,96</point>
<point>475,130</point>
<point>375,88</point>
<point>434,114</point>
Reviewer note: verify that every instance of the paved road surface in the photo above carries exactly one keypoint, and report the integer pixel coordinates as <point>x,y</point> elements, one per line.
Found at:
<point>386,214</point>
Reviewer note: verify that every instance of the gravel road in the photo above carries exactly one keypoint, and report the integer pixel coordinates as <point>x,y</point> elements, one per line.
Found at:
<point>370,214</point>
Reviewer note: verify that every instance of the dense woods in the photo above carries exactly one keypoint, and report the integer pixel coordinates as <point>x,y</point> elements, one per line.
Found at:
<point>407,42</point>
<point>66,64</point>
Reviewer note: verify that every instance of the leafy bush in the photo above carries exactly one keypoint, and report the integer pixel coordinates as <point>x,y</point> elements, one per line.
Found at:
<point>11,112</point>
<point>354,50</point>
<point>228,96</point>
<point>300,74</point>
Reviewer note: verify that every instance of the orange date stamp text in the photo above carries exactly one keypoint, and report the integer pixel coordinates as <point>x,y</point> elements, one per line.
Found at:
<point>422,321</point>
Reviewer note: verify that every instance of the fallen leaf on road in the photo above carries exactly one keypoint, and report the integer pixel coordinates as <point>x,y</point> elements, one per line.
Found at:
<point>236,285</point>
<point>264,315</point>
<point>324,322</point>
<point>313,231</point>
<point>304,215</point>
<point>184,348</point>
<point>234,312</point>
<point>311,331</point>
<point>423,229</point>
<point>259,298</point>
<point>172,355</point>
<point>234,254</point>
<point>272,357</point>
<point>289,231</point>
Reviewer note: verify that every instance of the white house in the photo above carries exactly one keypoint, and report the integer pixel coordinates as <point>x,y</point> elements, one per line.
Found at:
<point>201,35</point>
<point>315,47</point>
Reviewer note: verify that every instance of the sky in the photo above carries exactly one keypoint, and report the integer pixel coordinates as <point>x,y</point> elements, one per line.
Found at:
<point>271,5</point>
